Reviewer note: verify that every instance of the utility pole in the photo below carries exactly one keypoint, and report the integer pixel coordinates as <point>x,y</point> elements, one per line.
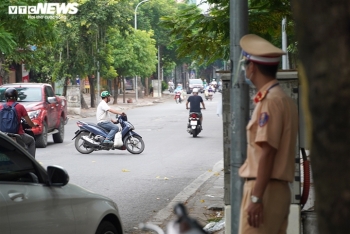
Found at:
<point>135,26</point>
<point>285,62</point>
<point>159,85</point>
<point>239,107</point>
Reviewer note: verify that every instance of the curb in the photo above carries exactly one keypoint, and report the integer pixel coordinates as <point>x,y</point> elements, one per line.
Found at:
<point>166,214</point>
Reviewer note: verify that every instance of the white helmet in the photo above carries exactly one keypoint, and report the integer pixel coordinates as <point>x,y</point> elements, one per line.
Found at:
<point>195,90</point>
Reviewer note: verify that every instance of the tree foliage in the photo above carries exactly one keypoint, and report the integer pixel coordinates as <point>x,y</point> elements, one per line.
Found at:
<point>134,54</point>
<point>206,37</point>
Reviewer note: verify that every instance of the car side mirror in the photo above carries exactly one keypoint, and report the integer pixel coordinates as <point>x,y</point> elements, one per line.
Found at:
<point>58,176</point>
<point>52,100</point>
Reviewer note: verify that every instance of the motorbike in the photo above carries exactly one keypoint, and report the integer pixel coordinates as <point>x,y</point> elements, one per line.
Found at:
<point>171,89</point>
<point>183,223</point>
<point>90,137</point>
<point>16,137</point>
<point>177,96</point>
<point>27,129</point>
<point>194,124</point>
<point>208,94</point>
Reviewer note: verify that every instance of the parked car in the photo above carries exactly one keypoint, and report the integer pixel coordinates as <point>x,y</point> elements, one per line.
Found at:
<point>44,108</point>
<point>195,83</point>
<point>38,201</point>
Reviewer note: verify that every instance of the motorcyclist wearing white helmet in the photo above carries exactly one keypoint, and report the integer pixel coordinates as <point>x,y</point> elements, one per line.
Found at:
<point>195,100</point>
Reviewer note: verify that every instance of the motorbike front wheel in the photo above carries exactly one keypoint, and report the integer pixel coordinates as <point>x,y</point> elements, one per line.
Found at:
<point>80,144</point>
<point>134,144</point>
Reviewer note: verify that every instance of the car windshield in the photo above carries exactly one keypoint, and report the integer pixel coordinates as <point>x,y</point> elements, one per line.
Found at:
<point>27,94</point>
<point>196,82</point>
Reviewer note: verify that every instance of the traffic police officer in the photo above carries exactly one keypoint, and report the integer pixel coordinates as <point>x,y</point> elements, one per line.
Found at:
<point>271,136</point>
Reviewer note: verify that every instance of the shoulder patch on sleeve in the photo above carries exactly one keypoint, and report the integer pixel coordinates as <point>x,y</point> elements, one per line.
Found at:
<point>263,119</point>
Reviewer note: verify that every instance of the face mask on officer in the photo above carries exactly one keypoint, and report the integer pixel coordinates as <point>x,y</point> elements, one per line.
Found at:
<point>247,79</point>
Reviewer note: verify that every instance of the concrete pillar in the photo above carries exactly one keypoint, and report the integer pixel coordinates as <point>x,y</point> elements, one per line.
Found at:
<point>226,115</point>
<point>73,100</point>
<point>155,88</point>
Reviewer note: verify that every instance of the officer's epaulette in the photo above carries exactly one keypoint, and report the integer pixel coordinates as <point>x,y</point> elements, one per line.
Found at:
<point>260,96</point>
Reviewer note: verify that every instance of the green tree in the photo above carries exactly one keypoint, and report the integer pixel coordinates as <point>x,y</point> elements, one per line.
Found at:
<point>149,16</point>
<point>18,34</point>
<point>85,41</point>
<point>205,37</point>
<point>134,54</point>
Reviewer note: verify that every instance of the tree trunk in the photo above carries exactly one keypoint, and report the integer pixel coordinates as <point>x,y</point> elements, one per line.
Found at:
<point>116,90</point>
<point>146,87</point>
<point>18,74</point>
<point>82,102</point>
<point>123,83</point>
<point>323,35</point>
<point>65,86</point>
<point>92,90</point>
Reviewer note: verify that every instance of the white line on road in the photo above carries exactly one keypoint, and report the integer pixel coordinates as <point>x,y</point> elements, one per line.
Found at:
<point>185,194</point>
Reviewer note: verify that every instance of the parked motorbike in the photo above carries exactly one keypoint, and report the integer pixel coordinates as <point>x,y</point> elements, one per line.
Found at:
<point>90,137</point>
<point>194,126</point>
<point>177,97</point>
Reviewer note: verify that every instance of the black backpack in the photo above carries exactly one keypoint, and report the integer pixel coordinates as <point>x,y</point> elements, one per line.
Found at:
<point>8,117</point>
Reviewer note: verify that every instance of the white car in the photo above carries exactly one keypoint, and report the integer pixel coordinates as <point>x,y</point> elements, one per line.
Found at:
<point>38,201</point>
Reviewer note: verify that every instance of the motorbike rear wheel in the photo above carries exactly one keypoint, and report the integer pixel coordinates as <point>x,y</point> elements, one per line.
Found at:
<point>134,144</point>
<point>194,132</point>
<point>80,146</point>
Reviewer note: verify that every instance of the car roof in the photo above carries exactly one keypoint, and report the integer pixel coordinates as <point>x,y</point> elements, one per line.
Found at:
<point>24,84</point>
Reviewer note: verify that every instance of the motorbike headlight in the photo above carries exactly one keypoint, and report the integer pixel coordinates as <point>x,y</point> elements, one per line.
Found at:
<point>34,114</point>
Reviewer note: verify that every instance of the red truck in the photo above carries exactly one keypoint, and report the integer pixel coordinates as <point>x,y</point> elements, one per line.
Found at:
<point>44,108</point>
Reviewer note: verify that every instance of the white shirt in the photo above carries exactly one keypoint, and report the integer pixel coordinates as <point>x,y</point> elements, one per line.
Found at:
<point>102,113</point>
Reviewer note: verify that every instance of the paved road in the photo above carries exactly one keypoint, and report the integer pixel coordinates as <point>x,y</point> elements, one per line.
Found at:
<point>144,184</point>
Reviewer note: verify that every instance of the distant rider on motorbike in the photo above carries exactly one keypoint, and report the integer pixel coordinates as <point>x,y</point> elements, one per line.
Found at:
<point>179,90</point>
<point>103,118</point>
<point>195,102</point>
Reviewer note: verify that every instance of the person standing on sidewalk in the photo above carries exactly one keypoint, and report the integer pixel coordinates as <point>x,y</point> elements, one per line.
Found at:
<point>103,118</point>
<point>271,135</point>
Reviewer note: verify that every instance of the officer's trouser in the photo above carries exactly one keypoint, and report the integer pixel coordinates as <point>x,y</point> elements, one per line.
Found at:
<point>276,202</point>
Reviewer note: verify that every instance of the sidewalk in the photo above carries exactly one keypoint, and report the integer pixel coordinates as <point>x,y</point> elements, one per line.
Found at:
<point>146,101</point>
<point>203,199</point>
<point>204,203</point>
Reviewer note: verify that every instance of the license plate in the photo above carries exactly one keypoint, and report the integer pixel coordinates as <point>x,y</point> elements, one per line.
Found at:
<point>193,122</point>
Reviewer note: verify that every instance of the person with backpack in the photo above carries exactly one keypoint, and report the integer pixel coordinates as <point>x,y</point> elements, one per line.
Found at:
<point>10,117</point>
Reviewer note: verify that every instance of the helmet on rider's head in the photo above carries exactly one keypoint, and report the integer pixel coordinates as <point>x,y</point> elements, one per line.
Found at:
<point>11,93</point>
<point>195,90</point>
<point>105,94</point>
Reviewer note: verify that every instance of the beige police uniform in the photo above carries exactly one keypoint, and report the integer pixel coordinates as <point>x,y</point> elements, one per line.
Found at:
<point>275,121</point>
